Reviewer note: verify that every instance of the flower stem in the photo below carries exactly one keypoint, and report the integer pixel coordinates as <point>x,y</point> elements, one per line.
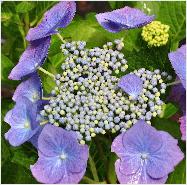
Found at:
<point>46,72</point>
<point>44,122</point>
<point>174,83</point>
<point>90,181</point>
<point>93,169</point>
<point>101,152</point>
<point>46,98</point>
<point>60,37</point>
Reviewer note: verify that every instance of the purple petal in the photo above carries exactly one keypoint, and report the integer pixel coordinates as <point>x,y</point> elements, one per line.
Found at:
<point>23,113</point>
<point>73,167</point>
<point>141,138</point>
<point>53,140</point>
<point>72,178</point>
<point>124,18</point>
<point>31,59</point>
<point>140,177</point>
<point>131,84</point>
<point>182,121</point>
<point>163,161</point>
<point>130,164</point>
<point>117,146</point>
<point>48,170</point>
<point>178,61</point>
<point>59,16</point>
<point>178,95</point>
<point>30,88</point>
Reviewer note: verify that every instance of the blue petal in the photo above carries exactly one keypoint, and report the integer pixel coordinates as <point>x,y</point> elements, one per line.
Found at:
<point>163,161</point>
<point>30,88</point>
<point>23,113</point>
<point>58,16</point>
<point>31,59</point>
<point>16,137</point>
<point>178,61</point>
<point>48,170</point>
<point>124,18</point>
<point>140,177</point>
<point>53,140</point>
<point>34,138</point>
<point>131,84</point>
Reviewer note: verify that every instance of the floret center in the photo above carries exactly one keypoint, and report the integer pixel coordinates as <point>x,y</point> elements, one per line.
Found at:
<point>63,156</point>
<point>144,156</point>
<point>27,125</point>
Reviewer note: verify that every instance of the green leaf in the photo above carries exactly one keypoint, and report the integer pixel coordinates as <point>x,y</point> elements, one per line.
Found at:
<point>120,4</point>
<point>40,8</point>
<point>178,176</point>
<point>88,29</point>
<point>112,4</point>
<point>174,15</point>
<point>24,7</point>
<point>172,127</point>
<point>15,174</point>
<point>169,110</point>
<point>149,58</point>
<point>57,61</point>
<point>5,152</point>
<point>6,66</point>
<point>24,156</point>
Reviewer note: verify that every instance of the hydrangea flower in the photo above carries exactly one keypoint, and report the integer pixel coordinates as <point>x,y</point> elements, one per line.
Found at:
<point>32,58</point>
<point>30,88</point>
<point>59,16</point>
<point>61,158</point>
<point>155,34</point>
<point>23,121</point>
<point>146,155</point>
<point>124,18</point>
<point>178,61</point>
<point>131,84</point>
<point>182,121</point>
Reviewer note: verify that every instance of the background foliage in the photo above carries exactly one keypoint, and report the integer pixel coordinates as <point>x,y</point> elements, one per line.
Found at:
<point>18,17</point>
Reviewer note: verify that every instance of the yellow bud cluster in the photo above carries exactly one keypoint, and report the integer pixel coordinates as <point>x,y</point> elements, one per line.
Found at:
<point>155,34</point>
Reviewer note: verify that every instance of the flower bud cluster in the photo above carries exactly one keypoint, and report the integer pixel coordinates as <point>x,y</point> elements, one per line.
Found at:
<point>87,98</point>
<point>155,34</point>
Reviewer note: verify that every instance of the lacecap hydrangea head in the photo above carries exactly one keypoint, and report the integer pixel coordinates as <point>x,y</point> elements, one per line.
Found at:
<point>90,99</point>
<point>155,34</point>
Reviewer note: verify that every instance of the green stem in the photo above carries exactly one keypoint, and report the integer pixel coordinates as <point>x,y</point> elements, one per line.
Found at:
<point>101,152</point>
<point>26,20</point>
<point>44,122</point>
<point>93,169</point>
<point>174,83</point>
<point>46,72</point>
<point>90,181</point>
<point>60,37</point>
<point>46,98</point>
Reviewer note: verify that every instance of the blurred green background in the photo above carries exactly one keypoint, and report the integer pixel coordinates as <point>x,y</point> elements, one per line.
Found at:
<point>18,17</point>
